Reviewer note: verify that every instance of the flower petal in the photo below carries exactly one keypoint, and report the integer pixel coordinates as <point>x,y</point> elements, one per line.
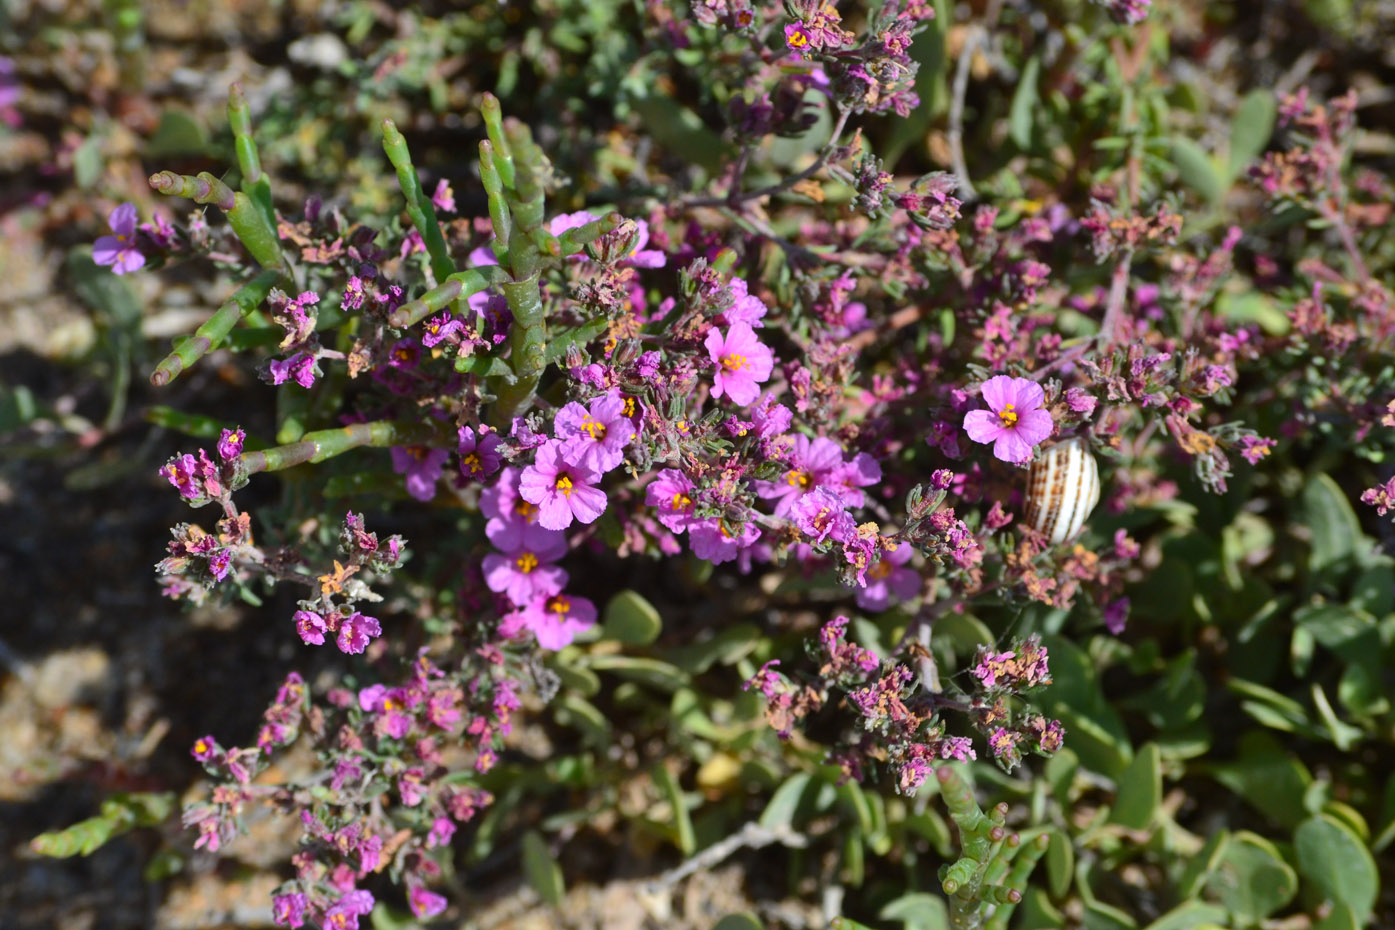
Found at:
<point>999,391</point>
<point>1009,447</point>
<point>983,426</point>
<point>1029,394</point>
<point>1033,426</point>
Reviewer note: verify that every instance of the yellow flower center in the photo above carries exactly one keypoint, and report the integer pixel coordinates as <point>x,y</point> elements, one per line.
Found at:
<point>472,462</point>
<point>201,747</point>
<point>629,408</point>
<point>733,361</point>
<point>593,428</point>
<point>564,484</point>
<point>525,510</point>
<point>561,605</point>
<point>1008,415</point>
<point>681,501</point>
<point>879,571</point>
<point>798,39</point>
<point>526,562</point>
<point>799,479</point>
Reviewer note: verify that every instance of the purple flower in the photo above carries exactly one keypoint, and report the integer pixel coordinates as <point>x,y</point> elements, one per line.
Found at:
<point>889,581</point>
<point>598,437</point>
<point>555,621</point>
<point>1254,448</point>
<point>818,463</point>
<point>440,328</point>
<point>746,307</point>
<point>1015,422</point>
<point>444,197</point>
<point>562,490</point>
<point>797,37</point>
<point>960,748</point>
<point>230,444</point>
<point>288,910</point>
<point>182,471</point>
<point>344,913</point>
<point>821,515</point>
<point>356,631</point>
<point>991,665</point>
<point>425,903</point>
<point>479,457</point>
<point>1116,614</point>
<point>508,514</point>
<point>713,539</point>
<point>422,466</point>
<point>742,363</point>
<point>311,627</point>
<point>525,572</point>
<point>119,250</point>
<point>671,493</point>
<point>300,367</point>
<point>205,749</point>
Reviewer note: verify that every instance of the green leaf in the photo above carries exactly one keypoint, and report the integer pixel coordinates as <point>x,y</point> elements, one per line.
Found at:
<point>1334,859</point>
<point>542,870</point>
<point>88,164</point>
<point>120,814</point>
<point>742,921</point>
<point>785,802</point>
<point>577,712</point>
<point>1267,778</point>
<point>1189,915</point>
<point>1140,790</point>
<point>917,911</point>
<point>1251,879</point>
<point>727,647</point>
<point>631,619</point>
<point>1025,103</point>
<point>1335,528</point>
<point>1197,169</point>
<point>1250,130</point>
<point>682,823</point>
<point>179,134</point>
<point>651,672</point>
<point>1060,863</point>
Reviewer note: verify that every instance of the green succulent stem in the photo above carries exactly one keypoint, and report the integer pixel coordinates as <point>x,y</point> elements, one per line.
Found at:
<point>247,221</point>
<point>494,126</point>
<point>527,349</point>
<point>326,444</point>
<point>419,207</point>
<point>256,184</point>
<point>460,285</point>
<point>215,328</point>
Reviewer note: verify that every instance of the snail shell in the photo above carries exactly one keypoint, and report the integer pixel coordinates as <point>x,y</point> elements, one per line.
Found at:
<point>1063,486</point>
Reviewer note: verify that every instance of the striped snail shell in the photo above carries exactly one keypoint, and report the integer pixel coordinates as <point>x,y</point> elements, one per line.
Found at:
<point>1063,486</point>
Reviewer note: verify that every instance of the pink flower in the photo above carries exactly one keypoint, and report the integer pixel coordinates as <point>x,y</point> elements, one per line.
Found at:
<point>671,493</point>
<point>425,903</point>
<point>1015,422</point>
<point>562,490</point>
<point>818,463</point>
<point>713,539</point>
<point>508,514</point>
<point>288,910</point>
<point>555,621</point>
<point>479,456</point>
<point>422,466</point>
<point>356,631</point>
<point>299,367</point>
<point>889,581</point>
<point>742,363</point>
<point>311,627</point>
<point>526,572</point>
<point>230,444</point>
<point>344,913</point>
<point>119,250</point>
<point>596,436</point>
<point>797,37</point>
